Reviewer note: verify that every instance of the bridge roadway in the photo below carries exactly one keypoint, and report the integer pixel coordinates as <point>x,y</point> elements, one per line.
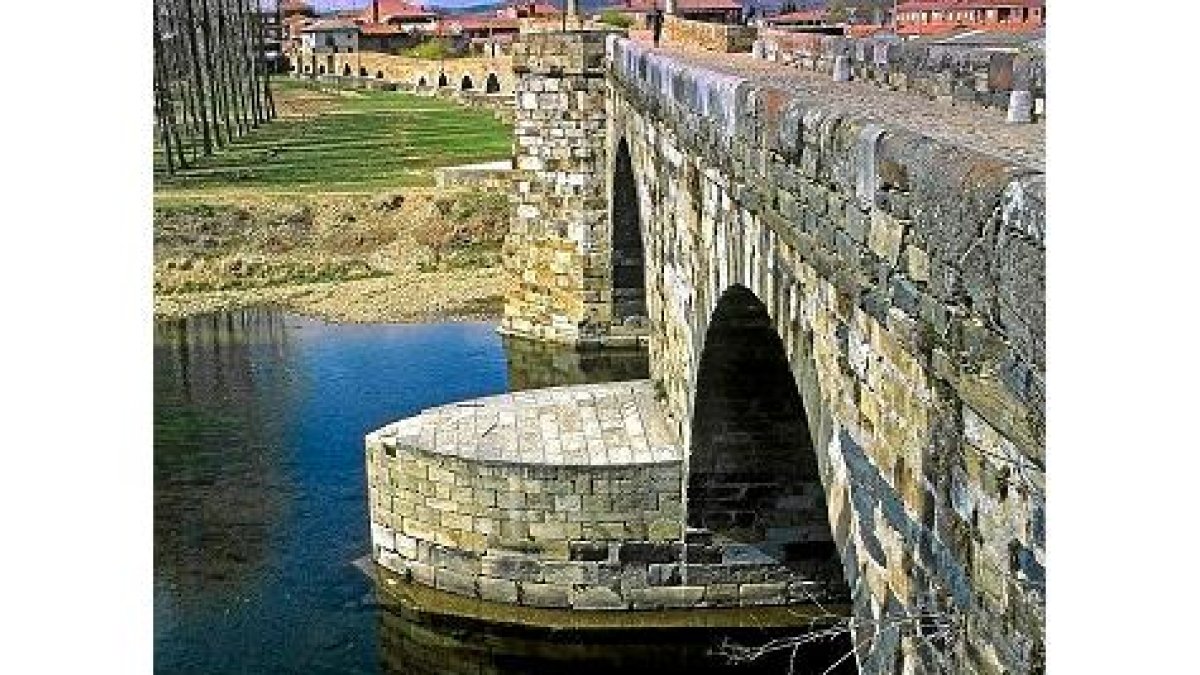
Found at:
<point>966,125</point>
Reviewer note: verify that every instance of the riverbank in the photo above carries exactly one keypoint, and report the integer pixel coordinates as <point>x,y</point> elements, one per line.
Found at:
<point>416,254</point>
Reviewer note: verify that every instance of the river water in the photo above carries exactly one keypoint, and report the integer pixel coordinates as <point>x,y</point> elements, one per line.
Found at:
<point>260,501</point>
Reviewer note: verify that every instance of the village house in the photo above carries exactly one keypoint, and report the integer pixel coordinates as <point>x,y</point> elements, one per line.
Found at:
<point>805,21</point>
<point>398,14</point>
<point>933,17</point>
<point>528,10</point>
<point>710,11</point>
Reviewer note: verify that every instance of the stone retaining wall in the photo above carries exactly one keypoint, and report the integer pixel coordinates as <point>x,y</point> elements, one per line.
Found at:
<point>713,37</point>
<point>981,77</point>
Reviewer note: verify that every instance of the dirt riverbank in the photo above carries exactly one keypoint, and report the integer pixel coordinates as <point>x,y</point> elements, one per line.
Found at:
<point>417,254</point>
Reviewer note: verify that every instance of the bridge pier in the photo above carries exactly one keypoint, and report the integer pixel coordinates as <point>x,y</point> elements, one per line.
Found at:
<point>559,254</point>
<point>566,497</point>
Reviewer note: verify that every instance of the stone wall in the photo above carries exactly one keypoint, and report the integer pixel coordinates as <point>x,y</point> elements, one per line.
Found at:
<point>904,279</point>
<point>948,74</point>
<point>558,266</point>
<point>409,72</point>
<point>713,37</point>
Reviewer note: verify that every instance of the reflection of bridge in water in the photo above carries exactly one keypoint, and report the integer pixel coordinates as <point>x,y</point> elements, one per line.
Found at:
<point>426,632</point>
<point>841,289</point>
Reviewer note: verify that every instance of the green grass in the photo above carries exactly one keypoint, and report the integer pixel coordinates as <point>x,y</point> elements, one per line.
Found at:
<point>357,143</point>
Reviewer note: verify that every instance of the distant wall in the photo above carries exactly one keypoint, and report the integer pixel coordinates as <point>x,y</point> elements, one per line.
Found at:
<point>409,72</point>
<point>713,37</point>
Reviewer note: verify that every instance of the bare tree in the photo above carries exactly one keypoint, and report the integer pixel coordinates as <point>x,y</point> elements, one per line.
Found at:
<point>210,83</point>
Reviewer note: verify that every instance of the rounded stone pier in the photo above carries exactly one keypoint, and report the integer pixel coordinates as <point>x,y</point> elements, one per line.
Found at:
<point>567,497</point>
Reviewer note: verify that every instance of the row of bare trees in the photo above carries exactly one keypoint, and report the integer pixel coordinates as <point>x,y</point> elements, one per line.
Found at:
<point>211,76</point>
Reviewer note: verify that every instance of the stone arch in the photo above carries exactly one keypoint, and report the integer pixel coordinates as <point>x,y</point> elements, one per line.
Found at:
<point>628,253</point>
<point>753,476</point>
<point>492,85</point>
<point>443,81</point>
<point>379,74</point>
<point>466,84</point>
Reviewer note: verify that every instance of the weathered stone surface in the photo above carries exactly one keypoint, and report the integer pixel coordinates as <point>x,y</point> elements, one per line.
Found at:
<point>897,255</point>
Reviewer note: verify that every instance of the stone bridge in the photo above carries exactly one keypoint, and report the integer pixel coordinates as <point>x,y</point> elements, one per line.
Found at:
<point>841,289</point>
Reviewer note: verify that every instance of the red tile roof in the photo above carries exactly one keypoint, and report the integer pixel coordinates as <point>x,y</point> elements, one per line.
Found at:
<point>925,5</point>
<point>802,15</point>
<point>380,29</point>
<point>866,30</point>
<point>482,22</point>
<point>395,9</point>
<point>329,24</point>
<point>683,5</point>
<point>539,8</point>
<point>945,27</point>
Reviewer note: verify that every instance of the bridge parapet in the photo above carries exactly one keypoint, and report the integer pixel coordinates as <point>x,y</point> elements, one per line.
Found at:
<point>948,74</point>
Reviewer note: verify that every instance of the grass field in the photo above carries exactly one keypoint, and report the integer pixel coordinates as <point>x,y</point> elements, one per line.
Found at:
<point>350,141</point>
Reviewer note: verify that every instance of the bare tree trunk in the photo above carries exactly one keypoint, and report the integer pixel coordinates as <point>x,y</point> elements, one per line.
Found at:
<point>210,69</point>
<point>174,62</point>
<point>238,47</point>
<point>163,109</point>
<point>248,53</point>
<point>197,72</point>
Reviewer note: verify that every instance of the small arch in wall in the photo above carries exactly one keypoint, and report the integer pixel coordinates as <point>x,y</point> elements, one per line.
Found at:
<point>443,81</point>
<point>362,71</point>
<point>628,253</point>
<point>379,74</point>
<point>346,70</point>
<point>422,83</point>
<point>466,84</point>
<point>492,85</point>
<point>322,70</point>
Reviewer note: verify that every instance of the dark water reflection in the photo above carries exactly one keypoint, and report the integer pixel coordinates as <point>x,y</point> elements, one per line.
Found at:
<point>260,506</point>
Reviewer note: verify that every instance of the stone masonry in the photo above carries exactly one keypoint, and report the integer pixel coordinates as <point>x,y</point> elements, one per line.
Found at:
<point>945,74</point>
<point>901,276</point>
<point>559,497</point>
<point>557,261</point>
<point>844,290</point>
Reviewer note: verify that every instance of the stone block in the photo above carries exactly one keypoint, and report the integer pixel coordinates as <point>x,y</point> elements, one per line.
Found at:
<point>544,595</point>
<point>455,582</point>
<point>649,552</point>
<point>775,593</point>
<point>498,590</point>
<point>886,235</point>
<point>512,566</point>
<point>596,597</point>
<point>663,575</point>
<point>665,597</point>
<point>588,551</point>
<point>422,573</point>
